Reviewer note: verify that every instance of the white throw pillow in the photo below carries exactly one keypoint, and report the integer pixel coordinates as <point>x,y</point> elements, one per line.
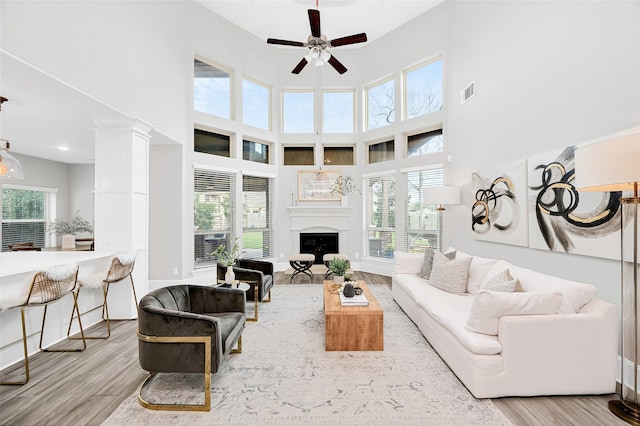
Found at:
<point>448,274</point>
<point>427,262</point>
<point>407,263</point>
<point>489,306</point>
<point>477,271</point>
<point>503,282</point>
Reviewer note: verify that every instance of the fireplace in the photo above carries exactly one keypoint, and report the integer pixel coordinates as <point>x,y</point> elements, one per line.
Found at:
<point>319,244</point>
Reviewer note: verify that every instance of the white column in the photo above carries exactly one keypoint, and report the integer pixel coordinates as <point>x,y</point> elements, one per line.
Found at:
<point>121,204</point>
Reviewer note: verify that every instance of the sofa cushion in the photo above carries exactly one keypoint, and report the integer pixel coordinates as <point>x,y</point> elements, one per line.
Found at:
<point>407,263</point>
<point>574,294</point>
<point>451,311</point>
<point>449,274</point>
<point>489,306</point>
<point>477,271</point>
<point>427,262</point>
<point>503,282</point>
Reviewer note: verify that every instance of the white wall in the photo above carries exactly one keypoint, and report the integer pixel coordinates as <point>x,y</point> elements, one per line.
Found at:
<point>548,75</point>
<point>81,186</point>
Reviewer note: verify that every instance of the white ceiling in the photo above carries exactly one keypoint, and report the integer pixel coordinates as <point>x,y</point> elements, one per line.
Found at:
<point>288,19</point>
<point>44,113</point>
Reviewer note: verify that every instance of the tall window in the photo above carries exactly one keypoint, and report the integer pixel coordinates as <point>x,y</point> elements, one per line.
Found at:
<point>25,213</point>
<point>256,101</point>
<point>257,216</point>
<point>421,221</point>
<point>424,143</point>
<point>381,104</point>
<point>211,89</point>
<point>381,216</point>
<point>423,89</point>
<point>337,111</point>
<point>213,214</point>
<point>298,111</point>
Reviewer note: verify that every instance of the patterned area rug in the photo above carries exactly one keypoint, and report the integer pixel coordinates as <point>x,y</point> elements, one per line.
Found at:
<point>284,376</point>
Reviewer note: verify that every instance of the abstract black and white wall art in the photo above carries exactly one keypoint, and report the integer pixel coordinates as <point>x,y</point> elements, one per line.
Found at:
<point>499,211</point>
<point>565,220</point>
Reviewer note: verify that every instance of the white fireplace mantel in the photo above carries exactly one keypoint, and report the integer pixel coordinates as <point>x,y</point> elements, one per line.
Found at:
<point>332,217</point>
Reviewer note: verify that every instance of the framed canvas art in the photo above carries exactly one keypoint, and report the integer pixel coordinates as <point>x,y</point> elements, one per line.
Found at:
<point>315,185</point>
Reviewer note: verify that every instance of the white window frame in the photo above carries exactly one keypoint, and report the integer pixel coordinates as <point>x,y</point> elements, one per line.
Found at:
<point>365,108</point>
<point>405,96</point>
<point>269,95</point>
<point>50,209</point>
<point>353,109</point>
<point>314,92</point>
<point>232,86</point>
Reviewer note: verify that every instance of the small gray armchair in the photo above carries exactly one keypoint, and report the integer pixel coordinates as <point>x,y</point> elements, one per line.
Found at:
<point>188,329</point>
<point>253,272</point>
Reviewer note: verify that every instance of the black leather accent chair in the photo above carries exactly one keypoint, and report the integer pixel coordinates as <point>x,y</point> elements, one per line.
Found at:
<point>252,272</point>
<point>188,329</point>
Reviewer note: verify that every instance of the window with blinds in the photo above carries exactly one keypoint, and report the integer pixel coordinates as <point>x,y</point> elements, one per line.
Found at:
<point>25,214</point>
<point>213,214</point>
<point>381,216</point>
<point>257,217</point>
<point>421,221</point>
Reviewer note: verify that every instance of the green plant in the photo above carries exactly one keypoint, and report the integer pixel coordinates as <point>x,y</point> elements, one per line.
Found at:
<point>76,226</point>
<point>344,185</point>
<point>338,266</point>
<point>227,258</point>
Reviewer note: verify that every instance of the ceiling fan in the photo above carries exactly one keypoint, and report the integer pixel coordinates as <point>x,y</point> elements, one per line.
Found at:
<point>317,43</point>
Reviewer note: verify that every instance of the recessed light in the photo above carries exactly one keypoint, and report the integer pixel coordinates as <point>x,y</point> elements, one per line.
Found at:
<point>63,148</point>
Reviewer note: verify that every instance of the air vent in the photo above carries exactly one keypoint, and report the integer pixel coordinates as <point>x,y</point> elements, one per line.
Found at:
<point>468,92</point>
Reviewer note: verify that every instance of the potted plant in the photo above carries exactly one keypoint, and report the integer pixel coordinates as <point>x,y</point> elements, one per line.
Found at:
<point>344,185</point>
<point>228,258</point>
<point>338,267</point>
<point>69,229</point>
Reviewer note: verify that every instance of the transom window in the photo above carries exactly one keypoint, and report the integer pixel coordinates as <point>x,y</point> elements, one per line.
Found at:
<point>381,106</point>
<point>212,89</point>
<point>338,156</point>
<point>299,156</point>
<point>424,143</point>
<point>298,111</point>
<point>256,101</point>
<point>381,151</point>
<point>338,111</point>
<point>423,89</point>
<point>211,143</point>
<point>255,151</point>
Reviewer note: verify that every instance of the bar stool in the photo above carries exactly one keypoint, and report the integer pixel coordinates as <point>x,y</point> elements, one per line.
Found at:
<point>301,263</point>
<point>327,258</point>
<point>120,268</point>
<point>45,287</point>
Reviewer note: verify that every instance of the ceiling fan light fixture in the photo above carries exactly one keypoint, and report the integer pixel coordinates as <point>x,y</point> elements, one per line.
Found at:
<point>325,55</point>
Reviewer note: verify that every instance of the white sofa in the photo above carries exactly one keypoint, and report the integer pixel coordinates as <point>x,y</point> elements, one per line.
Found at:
<point>570,352</point>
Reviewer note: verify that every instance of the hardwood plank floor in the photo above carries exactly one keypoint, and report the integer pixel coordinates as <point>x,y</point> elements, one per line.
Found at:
<point>84,388</point>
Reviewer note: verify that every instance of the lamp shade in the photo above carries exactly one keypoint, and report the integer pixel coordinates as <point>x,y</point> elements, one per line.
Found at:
<point>10,167</point>
<point>612,165</point>
<point>441,195</point>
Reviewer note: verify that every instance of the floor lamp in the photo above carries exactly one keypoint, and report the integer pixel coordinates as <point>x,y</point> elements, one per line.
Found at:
<point>441,195</point>
<point>614,165</point>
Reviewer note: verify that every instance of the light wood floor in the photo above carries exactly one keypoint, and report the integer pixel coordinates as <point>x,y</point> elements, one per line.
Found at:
<point>84,388</point>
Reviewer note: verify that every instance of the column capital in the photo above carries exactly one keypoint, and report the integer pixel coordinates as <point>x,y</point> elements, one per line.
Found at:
<point>128,124</point>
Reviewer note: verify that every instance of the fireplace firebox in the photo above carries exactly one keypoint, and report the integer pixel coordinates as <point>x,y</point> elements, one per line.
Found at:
<point>319,244</point>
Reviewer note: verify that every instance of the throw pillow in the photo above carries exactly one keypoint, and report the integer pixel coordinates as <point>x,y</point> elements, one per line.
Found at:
<point>407,263</point>
<point>448,274</point>
<point>489,306</point>
<point>479,268</point>
<point>503,282</point>
<point>427,262</point>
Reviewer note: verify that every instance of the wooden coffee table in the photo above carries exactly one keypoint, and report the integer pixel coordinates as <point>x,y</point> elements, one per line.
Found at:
<point>352,328</point>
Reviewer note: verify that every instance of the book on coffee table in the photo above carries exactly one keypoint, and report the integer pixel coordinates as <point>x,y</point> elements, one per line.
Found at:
<point>357,300</point>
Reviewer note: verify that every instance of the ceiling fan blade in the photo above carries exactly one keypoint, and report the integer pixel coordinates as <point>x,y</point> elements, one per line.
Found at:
<point>352,39</point>
<point>299,67</point>
<point>337,65</point>
<point>314,22</point>
<point>285,42</point>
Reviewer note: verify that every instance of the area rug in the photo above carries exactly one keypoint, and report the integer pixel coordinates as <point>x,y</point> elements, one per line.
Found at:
<point>284,376</point>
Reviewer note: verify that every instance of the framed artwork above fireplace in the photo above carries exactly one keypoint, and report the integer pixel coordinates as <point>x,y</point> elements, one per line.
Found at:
<point>315,185</point>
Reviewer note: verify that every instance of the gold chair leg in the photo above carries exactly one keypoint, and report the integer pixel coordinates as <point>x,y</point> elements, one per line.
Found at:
<point>26,354</point>
<point>76,309</point>
<point>105,291</point>
<point>239,349</point>
<point>207,374</point>
<point>255,305</point>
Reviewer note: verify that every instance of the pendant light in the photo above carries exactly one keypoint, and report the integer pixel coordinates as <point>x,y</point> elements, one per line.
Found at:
<point>10,168</point>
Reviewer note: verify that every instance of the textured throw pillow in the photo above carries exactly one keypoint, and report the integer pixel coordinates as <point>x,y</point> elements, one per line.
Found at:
<point>427,262</point>
<point>448,274</point>
<point>489,306</point>
<point>503,282</point>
